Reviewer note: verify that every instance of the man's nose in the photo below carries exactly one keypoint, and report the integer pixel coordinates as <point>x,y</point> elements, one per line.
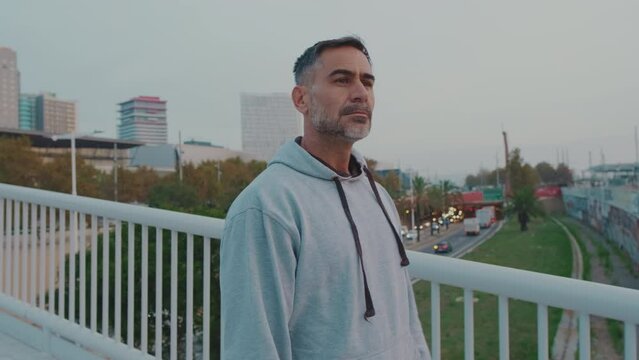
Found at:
<point>359,92</point>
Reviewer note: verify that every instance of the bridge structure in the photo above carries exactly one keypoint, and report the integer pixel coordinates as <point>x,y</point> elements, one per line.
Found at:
<point>53,260</point>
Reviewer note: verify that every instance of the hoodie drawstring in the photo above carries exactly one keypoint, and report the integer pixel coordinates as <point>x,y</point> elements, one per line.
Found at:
<point>370,309</point>
<point>400,246</point>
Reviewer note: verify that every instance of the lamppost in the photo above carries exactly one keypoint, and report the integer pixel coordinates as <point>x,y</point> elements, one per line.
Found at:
<point>72,136</point>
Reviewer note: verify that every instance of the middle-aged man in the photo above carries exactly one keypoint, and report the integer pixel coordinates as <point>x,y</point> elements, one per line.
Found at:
<point>312,266</point>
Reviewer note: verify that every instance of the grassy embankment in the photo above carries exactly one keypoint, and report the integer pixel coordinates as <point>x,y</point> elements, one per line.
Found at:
<point>544,248</point>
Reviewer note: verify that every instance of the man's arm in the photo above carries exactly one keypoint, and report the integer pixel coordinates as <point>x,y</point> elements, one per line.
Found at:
<point>257,282</point>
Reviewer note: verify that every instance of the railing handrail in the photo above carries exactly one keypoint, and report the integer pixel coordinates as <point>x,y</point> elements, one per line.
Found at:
<point>188,223</point>
<point>582,296</point>
<point>587,298</point>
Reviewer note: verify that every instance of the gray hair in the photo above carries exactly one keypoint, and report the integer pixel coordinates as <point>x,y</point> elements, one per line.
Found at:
<point>312,54</point>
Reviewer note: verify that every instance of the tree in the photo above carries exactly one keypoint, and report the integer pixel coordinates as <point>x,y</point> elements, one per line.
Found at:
<point>55,175</point>
<point>564,175</point>
<point>525,205</point>
<point>419,190</point>
<point>522,175</point>
<point>173,195</point>
<point>18,163</point>
<point>547,173</point>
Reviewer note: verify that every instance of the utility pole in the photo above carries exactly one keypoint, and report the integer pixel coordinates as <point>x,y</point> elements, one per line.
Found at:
<point>497,168</point>
<point>636,157</point>
<point>180,154</point>
<point>115,171</point>
<point>507,190</point>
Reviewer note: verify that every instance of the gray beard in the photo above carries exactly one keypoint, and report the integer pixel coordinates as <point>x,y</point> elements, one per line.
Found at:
<point>323,124</point>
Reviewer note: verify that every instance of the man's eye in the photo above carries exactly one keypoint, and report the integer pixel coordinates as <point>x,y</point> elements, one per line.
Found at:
<point>367,83</point>
<point>343,80</point>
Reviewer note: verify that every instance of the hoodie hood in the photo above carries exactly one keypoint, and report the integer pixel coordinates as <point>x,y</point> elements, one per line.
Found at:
<point>294,156</point>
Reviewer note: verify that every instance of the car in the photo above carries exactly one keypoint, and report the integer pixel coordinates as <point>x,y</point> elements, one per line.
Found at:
<point>442,247</point>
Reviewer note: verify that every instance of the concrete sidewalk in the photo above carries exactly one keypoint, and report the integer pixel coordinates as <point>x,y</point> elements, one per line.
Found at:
<point>12,349</point>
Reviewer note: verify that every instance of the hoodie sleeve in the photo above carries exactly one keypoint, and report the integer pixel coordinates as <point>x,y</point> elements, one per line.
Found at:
<point>257,280</point>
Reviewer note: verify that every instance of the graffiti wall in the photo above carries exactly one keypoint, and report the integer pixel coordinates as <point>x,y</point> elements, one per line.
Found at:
<point>613,212</point>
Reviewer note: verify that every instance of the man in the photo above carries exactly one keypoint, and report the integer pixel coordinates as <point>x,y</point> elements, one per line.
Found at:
<point>311,263</point>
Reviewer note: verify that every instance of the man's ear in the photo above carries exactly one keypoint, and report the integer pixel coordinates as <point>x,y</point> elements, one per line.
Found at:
<point>300,100</point>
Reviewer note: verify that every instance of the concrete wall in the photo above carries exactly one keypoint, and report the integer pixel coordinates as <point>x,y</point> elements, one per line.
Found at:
<point>613,212</point>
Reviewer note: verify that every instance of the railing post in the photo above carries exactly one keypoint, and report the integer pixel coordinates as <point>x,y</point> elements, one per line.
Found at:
<point>189,296</point>
<point>504,336</point>
<point>584,336</point>
<point>2,237</point>
<point>630,341</point>
<point>435,326</point>
<point>469,324</point>
<point>130,313</point>
<point>61,264</point>
<point>206,341</point>
<point>105,276</point>
<point>542,332</point>
<point>158,293</point>
<point>145,290</point>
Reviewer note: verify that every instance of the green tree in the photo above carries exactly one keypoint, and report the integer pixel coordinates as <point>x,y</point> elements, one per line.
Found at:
<point>19,164</point>
<point>174,196</point>
<point>419,192</point>
<point>564,174</point>
<point>522,175</point>
<point>524,205</point>
<point>55,175</point>
<point>547,173</point>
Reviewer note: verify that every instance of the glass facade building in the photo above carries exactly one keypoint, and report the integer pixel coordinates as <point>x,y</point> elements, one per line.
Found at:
<point>268,120</point>
<point>28,112</point>
<point>143,118</point>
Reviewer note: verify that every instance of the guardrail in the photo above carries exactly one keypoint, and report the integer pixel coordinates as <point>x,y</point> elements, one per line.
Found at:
<point>37,286</point>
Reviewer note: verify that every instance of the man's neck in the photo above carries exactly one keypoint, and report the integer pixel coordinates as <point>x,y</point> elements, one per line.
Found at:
<point>333,152</point>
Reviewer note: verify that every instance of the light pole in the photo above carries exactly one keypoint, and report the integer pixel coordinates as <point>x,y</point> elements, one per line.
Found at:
<point>72,136</point>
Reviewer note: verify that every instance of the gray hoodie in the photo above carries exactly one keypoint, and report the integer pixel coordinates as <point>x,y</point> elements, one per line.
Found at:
<point>311,268</point>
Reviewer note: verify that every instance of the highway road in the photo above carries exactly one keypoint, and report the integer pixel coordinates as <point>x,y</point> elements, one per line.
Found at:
<point>460,242</point>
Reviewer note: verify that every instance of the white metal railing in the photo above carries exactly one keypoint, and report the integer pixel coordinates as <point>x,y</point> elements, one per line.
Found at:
<point>86,217</point>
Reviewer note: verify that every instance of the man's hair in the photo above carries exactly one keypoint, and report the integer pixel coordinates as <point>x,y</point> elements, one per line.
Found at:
<point>312,54</point>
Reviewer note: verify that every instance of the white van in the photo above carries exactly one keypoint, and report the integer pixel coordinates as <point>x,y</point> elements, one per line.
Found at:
<point>471,226</point>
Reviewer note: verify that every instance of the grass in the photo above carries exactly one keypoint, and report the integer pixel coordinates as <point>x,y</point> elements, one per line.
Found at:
<point>616,330</point>
<point>575,231</point>
<point>625,259</point>
<point>544,248</point>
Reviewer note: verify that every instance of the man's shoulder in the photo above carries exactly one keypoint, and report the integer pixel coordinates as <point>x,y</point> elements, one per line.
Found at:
<point>271,184</point>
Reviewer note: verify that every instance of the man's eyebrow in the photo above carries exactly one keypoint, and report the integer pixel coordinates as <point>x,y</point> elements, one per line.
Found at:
<point>350,73</point>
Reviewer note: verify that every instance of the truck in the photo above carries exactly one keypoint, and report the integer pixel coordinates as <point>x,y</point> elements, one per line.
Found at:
<point>471,226</point>
<point>484,217</point>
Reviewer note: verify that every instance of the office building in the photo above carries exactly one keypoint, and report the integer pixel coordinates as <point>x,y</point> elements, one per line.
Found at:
<point>268,120</point>
<point>143,119</point>
<point>28,111</point>
<point>53,115</point>
<point>9,88</point>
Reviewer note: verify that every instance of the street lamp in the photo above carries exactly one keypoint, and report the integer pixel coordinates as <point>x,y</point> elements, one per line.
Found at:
<point>72,136</point>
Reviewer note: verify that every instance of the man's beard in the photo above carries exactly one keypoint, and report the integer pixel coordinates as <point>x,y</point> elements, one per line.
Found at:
<point>351,132</point>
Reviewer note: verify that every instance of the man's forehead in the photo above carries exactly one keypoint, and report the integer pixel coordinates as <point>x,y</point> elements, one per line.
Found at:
<point>346,57</point>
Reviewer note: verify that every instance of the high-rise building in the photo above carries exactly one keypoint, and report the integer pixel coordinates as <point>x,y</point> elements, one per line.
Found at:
<point>28,111</point>
<point>143,118</point>
<point>268,120</point>
<point>9,88</point>
<point>54,115</point>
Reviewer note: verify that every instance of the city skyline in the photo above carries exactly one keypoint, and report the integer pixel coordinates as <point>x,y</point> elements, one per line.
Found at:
<point>560,78</point>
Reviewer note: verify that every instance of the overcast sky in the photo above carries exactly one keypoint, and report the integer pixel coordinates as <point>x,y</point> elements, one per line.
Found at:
<point>561,77</point>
